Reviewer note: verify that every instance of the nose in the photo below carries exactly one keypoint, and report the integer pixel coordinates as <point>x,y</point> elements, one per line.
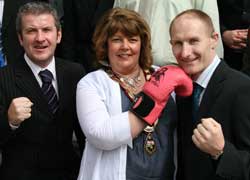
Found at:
<point>125,44</point>
<point>185,51</point>
<point>40,36</point>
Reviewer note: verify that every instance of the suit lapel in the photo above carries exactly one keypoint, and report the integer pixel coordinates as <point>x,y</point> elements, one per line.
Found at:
<point>213,90</point>
<point>60,75</point>
<point>28,85</point>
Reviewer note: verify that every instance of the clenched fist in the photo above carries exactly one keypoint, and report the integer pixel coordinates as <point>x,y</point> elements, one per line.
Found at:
<point>208,136</point>
<point>19,110</point>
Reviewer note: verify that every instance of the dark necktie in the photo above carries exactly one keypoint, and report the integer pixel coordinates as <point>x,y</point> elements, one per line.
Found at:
<point>196,98</point>
<point>48,90</point>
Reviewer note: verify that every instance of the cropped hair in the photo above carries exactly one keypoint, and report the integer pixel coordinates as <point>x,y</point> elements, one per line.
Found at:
<point>128,22</point>
<point>197,14</point>
<point>36,8</point>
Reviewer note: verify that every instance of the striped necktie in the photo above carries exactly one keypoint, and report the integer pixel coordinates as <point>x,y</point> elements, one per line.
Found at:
<point>48,90</point>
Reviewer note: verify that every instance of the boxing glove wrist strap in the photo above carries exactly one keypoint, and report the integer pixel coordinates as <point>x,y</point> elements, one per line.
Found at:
<point>143,105</point>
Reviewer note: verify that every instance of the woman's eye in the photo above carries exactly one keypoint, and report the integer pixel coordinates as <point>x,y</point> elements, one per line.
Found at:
<point>133,39</point>
<point>116,39</point>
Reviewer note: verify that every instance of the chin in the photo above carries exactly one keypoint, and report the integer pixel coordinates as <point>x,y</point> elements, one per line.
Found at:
<point>189,70</point>
<point>41,61</point>
<point>186,67</point>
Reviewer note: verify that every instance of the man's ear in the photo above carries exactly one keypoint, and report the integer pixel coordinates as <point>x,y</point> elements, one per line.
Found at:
<point>59,36</point>
<point>20,38</point>
<point>214,40</point>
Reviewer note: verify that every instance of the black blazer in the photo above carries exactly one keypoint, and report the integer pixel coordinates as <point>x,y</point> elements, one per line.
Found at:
<point>227,100</point>
<point>42,146</point>
<point>80,17</point>
<point>234,14</point>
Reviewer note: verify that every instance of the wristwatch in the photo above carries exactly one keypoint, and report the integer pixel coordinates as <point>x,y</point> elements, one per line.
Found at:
<point>217,156</point>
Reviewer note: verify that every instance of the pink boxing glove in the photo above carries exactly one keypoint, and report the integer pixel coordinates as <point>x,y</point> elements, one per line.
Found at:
<point>155,93</point>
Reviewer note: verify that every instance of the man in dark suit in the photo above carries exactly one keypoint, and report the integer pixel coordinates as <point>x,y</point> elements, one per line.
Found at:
<point>214,141</point>
<point>11,47</point>
<point>234,23</point>
<point>37,116</point>
<point>80,17</point>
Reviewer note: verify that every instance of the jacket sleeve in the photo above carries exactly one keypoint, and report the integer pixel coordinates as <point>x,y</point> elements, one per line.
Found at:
<point>100,116</point>
<point>235,161</point>
<point>5,129</point>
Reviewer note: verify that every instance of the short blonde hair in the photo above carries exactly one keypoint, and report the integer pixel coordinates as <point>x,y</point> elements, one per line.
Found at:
<point>197,14</point>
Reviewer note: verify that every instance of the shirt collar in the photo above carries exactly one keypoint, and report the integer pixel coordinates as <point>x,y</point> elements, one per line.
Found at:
<point>206,75</point>
<point>36,69</point>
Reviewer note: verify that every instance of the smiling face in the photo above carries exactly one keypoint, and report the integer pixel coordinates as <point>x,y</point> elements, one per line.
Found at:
<point>124,53</point>
<point>193,44</point>
<point>39,37</point>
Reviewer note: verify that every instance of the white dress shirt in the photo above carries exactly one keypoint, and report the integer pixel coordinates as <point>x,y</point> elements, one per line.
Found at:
<point>36,69</point>
<point>206,75</point>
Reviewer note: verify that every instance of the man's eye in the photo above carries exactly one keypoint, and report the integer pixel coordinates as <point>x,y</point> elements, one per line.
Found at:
<point>193,41</point>
<point>30,31</point>
<point>177,43</point>
<point>47,29</point>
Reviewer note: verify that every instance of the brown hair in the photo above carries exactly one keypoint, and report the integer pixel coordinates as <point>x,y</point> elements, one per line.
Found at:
<point>130,24</point>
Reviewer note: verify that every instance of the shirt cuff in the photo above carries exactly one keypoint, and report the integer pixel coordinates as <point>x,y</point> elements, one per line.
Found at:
<point>13,127</point>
